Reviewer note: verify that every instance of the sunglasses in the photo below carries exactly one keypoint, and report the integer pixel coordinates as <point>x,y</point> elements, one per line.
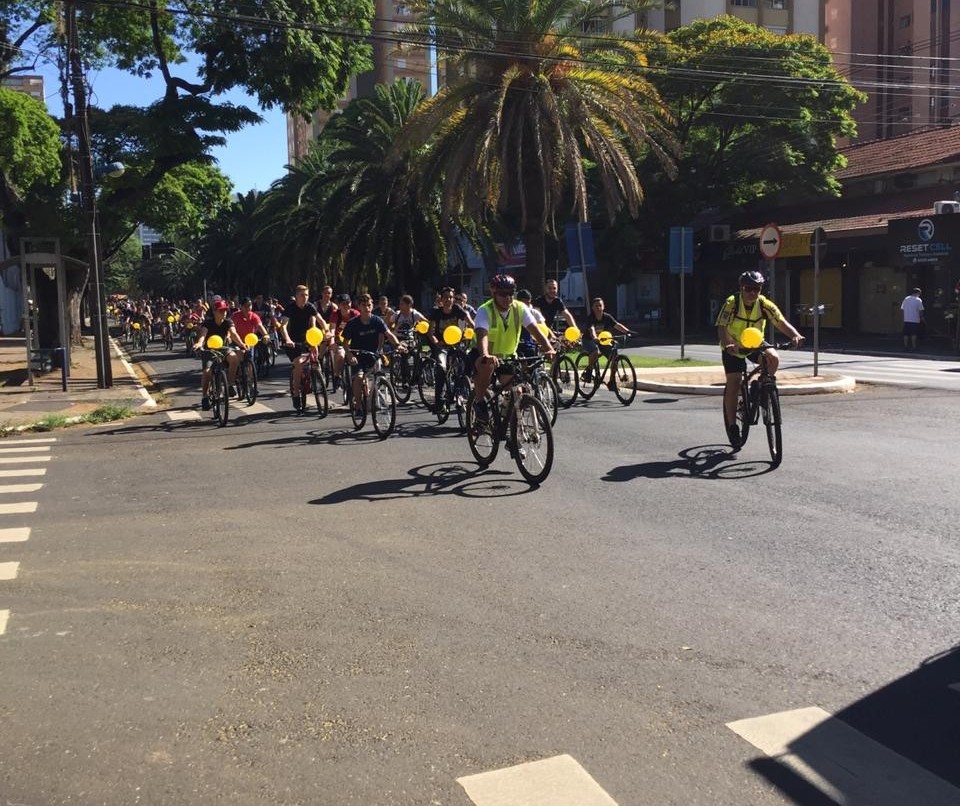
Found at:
<point>750,289</point>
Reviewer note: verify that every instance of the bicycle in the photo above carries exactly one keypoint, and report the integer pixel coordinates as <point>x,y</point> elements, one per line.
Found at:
<point>168,333</point>
<point>247,379</point>
<point>759,397</point>
<point>621,377</point>
<point>189,336</point>
<point>311,383</point>
<point>532,371</point>
<point>218,390</point>
<point>139,341</point>
<point>379,397</point>
<point>564,373</point>
<point>517,418</point>
<point>403,369</point>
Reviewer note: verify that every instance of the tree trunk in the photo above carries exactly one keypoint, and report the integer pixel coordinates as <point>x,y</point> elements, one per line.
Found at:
<point>534,239</point>
<point>76,284</point>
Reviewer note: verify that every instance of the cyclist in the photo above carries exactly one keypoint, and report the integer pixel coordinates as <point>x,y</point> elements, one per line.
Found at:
<point>463,301</point>
<point>528,346</point>
<point>219,324</point>
<point>325,304</point>
<point>298,317</point>
<point>552,307</point>
<point>407,316</point>
<point>749,308</point>
<point>500,321</point>
<point>247,321</point>
<point>366,332</point>
<point>338,320</point>
<point>445,313</point>
<point>384,311</point>
<point>596,322</point>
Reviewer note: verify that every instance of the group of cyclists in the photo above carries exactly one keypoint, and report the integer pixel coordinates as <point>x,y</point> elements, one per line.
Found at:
<point>510,322</point>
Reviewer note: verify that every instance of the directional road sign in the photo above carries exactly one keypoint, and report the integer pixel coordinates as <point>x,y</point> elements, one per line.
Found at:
<point>770,240</point>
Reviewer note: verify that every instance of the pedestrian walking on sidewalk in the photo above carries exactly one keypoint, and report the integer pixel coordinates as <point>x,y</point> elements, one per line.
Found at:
<point>912,307</point>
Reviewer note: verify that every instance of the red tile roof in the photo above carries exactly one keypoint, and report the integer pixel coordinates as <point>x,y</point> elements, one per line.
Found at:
<point>914,150</point>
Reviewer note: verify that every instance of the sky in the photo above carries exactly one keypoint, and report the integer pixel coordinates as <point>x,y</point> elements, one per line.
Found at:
<point>253,157</point>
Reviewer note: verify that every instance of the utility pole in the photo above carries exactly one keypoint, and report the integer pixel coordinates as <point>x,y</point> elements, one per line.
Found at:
<point>101,333</point>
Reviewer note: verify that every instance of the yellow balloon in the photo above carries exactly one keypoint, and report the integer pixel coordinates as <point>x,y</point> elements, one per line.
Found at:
<point>251,339</point>
<point>422,327</point>
<point>189,325</point>
<point>751,338</point>
<point>314,336</point>
<point>542,327</point>
<point>605,337</point>
<point>215,342</point>
<point>452,334</point>
<point>136,325</point>
<point>469,333</point>
<point>572,333</point>
<point>170,320</point>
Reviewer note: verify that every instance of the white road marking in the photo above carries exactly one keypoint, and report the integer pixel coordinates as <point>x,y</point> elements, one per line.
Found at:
<point>17,534</point>
<point>33,441</point>
<point>9,570</point>
<point>10,460</point>
<point>184,414</point>
<point>19,472</point>
<point>21,508</point>
<point>841,762</point>
<point>30,449</point>
<point>557,781</point>
<point>4,616</point>
<point>19,488</point>
<point>256,408</point>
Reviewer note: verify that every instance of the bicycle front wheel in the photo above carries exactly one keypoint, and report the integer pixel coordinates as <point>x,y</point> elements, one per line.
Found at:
<point>358,411</point>
<point>427,383</point>
<point>483,435</point>
<point>221,397</point>
<point>383,406</point>
<point>565,377</point>
<point>624,379</point>
<point>587,388</point>
<point>531,439</point>
<point>545,389</point>
<point>319,392</point>
<point>401,376</point>
<point>461,399</point>
<point>249,382</point>
<point>770,410</point>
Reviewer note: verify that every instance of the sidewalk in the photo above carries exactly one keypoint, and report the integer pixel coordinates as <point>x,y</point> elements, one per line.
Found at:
<point>710,381</point>
<point>22,405</point>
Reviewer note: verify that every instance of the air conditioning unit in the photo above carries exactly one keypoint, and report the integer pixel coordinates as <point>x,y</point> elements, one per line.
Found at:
<point>941,207</point>
<point>718,233</point>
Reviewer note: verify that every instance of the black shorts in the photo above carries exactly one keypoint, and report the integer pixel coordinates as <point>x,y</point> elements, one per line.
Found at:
<point>299,348</point>
<point>365,363</point>
<point>736,363</point>
<point>911,329</point>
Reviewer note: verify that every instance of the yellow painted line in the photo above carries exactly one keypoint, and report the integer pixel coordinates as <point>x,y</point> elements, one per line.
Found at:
<point>557,781</point>
<point>21,508</point>
<point>20,472</point>
<point>19,488</point>
<point>17,534</point>
<point>4,617</point>
<point>12,460</point>
<point>9,570</point>
<point>844,764</point>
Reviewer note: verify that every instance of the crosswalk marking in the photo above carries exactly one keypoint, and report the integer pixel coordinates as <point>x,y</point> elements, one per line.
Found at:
<point>32,441</point>
<point>236,410</point>
<point>24,449</point>
<point>20,472</point>
<point>17,534</point>
<point>841,762</point>
<point>19,488</point>
<point>21,508</point>
<point>558,781</point>
<point>13,460</point>
<point>9,570</point>
<point>183,414</point>
<point>4,617</point>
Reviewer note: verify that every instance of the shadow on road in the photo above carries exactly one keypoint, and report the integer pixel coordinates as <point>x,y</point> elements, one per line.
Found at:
<point>915,717</point>
<point>443,478</point>
<point>700,462</point>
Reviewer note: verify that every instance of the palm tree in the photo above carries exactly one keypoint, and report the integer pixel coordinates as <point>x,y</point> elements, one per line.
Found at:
<point>534,96</point>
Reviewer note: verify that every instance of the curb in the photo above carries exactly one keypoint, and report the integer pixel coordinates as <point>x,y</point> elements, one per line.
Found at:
<point>842,383</point>
<point>140,380</point>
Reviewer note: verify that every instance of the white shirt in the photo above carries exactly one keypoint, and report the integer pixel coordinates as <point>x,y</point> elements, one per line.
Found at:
<point>912,307</point>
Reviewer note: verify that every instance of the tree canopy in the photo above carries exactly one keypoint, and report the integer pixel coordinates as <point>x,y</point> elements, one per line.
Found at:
<point>29,147</point>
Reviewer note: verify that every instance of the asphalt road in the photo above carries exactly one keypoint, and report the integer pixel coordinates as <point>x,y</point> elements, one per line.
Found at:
<point>283,611</point>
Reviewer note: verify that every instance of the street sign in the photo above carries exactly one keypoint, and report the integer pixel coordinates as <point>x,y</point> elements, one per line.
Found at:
<point>770,240</point>
<point>818,243</point>
<point>681,250</point>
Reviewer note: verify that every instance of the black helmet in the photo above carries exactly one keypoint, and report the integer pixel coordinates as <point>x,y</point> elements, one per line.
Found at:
<point>751,278</point>
<point>524,296</point>
<point>503,282</point>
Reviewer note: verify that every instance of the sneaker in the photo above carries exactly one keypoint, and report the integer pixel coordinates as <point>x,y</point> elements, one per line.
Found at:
<point>296,402</point>
<point>234,392</point>
<point>585,377</point>
<point>733,434</point>
<point>336,382</point>
<point>205,403</point>
<point>480,413</point>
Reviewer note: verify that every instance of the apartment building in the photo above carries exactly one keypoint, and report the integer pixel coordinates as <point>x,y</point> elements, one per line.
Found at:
<point>778,16</point>
<point>31,85</point>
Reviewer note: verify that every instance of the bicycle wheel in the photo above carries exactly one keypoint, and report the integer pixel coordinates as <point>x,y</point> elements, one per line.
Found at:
<point>770,410</point>
<point>441,406</point>
<point>220,397</point>
<point>483,437</point>
<point>401,372</point>
<point>383,406</point>
<point>461,399</point>
<point>326,370</point>
<point>248,381</point>
<point>427,383</point>
<point>358,412</point>
<point>319,392</point>
<point>545,390</point>
<point>587,388</point>
<point>744,415</point>
<point>531,439</point>
<point>624,379</point>
<point>565,377</point>
<point>168,339</point>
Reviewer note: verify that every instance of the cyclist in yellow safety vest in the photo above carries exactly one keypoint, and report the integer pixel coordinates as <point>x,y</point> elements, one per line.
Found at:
<point>749,308</point>
<point>498,326</point>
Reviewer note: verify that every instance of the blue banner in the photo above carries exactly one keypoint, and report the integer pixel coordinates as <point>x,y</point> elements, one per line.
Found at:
<point>681,250</point>
<point>579,239</point>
